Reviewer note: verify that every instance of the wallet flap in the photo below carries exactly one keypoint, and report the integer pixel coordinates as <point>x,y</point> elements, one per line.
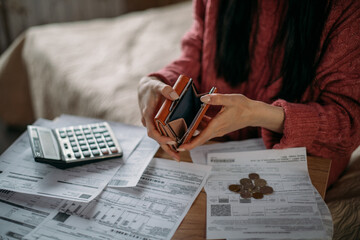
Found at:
<point>179,127</point>
<point>164,110</point>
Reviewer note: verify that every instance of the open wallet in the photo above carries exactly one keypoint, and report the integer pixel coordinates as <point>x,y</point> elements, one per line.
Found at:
<point>179,119</point>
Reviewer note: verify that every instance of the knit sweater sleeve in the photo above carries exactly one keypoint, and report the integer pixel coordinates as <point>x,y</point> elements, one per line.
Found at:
<point>191,45</point>
<point>329,124</point>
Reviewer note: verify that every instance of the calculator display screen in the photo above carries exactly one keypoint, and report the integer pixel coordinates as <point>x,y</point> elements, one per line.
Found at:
<point>48,144</point>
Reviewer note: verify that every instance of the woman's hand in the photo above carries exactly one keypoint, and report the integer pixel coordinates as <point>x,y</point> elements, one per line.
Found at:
<point>151,93</point>
<point>237,112</point>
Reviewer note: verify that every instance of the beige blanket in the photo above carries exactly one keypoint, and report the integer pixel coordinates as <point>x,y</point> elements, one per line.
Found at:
<point>89,68</point>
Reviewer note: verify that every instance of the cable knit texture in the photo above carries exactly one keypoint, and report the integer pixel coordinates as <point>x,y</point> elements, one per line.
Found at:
<point>327,120</point>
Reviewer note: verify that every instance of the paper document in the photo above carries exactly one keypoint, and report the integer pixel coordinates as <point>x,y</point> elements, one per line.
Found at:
<point>199,154</point>
<point>291,212</point>
<point>21,213</point>
<point>20,173</point>
<point>130,172</point>
<point>152,210</point>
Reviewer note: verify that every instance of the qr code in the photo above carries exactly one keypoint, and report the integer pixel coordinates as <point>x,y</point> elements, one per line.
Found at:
<point>221,210</point>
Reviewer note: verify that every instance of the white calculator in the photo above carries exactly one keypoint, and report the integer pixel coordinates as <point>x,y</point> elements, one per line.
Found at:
<point>75,145</point>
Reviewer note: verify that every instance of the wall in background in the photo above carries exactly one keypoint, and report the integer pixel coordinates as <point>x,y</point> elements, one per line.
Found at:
<point>18,15</point>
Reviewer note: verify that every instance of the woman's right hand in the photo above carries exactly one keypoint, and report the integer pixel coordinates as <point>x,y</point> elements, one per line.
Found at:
<point>151,94</point>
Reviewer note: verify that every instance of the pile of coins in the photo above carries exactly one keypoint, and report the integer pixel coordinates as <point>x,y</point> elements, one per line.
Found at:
<point>253,186</point>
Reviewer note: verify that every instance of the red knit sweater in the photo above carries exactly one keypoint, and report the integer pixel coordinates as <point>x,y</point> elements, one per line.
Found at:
<point>327,121</point>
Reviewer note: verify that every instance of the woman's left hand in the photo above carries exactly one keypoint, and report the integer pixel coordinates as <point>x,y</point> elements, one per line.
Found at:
<point>237,112</point>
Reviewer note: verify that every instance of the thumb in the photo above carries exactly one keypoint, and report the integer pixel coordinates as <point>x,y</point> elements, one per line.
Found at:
<point>217,99</point>
<point>168,92</point>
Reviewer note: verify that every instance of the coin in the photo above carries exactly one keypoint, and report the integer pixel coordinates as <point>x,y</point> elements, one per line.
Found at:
<point>248,186</point>
<point>245,194</point>
<point>260,182</point>
<point>234,187</point>
<point>244,181</point>
<point>254,176</point>
<point>256,189</point>
<point>257,195</point>
<point>266,190</point>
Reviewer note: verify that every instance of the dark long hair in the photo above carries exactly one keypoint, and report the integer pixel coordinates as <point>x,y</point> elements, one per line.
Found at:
<point>299,33</point>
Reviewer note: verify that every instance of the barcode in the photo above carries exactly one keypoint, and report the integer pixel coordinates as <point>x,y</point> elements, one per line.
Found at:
<point>117,182</point>
<point>221,160</point>
<point>132,235</point>
<point>85,196</point>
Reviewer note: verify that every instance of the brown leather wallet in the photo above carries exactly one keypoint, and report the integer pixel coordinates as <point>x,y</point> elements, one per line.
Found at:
<point>179,119</point>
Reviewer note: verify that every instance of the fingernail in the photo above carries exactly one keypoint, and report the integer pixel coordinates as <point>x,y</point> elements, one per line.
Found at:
<point>174,95</point>
<point>181,149</point>
<point>171,142</point>
<point>205,99</point>
<point>196,132</point>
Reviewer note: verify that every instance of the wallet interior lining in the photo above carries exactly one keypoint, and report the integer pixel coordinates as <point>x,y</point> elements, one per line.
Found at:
<point>187,107</point>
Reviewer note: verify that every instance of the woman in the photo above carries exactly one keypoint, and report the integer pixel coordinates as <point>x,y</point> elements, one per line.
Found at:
<point>286,71</point>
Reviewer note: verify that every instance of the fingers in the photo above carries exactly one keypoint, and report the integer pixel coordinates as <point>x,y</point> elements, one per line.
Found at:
<point>143,121</point>
<point>154,133</point>
<point>220,99</point>
<point>171,153</point>
<point>202,138</point>
<point>167,91</point>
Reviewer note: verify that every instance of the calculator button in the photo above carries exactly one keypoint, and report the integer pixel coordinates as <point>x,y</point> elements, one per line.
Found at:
<point>102,125</point>
<point>84,148</point>
<point>99,140</point>
<point>86,154</point>
<point>88,136</point>
<point>68,155</point>
<point>97,130</point>
<point>79,138</point>
<point>108,139</point>
<point>82,142</point>
<point>95,152</point>
<point>75,149</point>
<point>77,155</point>
<point>93,127</point>
<point>111,144</point>
<point>70,134</point>
<point>62,134</point>
<point>102,145</point>
<point>105,151</point>
<point>72,139</point>
<point>87,131</point>
<point>78,133</point>
<point>93,146</point>
<point>106,134</point>
<point>91,141</point>
<point>66,146</point>
<point>97,135</point>
<point>114,150</point>
<point>73,144</point>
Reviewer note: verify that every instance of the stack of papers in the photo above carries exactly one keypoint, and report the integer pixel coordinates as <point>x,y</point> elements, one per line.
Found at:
<point>90,201</point>
<point>294,211</point>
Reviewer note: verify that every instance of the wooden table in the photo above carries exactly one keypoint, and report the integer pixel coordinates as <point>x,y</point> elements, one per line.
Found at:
<point>194,224</point>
